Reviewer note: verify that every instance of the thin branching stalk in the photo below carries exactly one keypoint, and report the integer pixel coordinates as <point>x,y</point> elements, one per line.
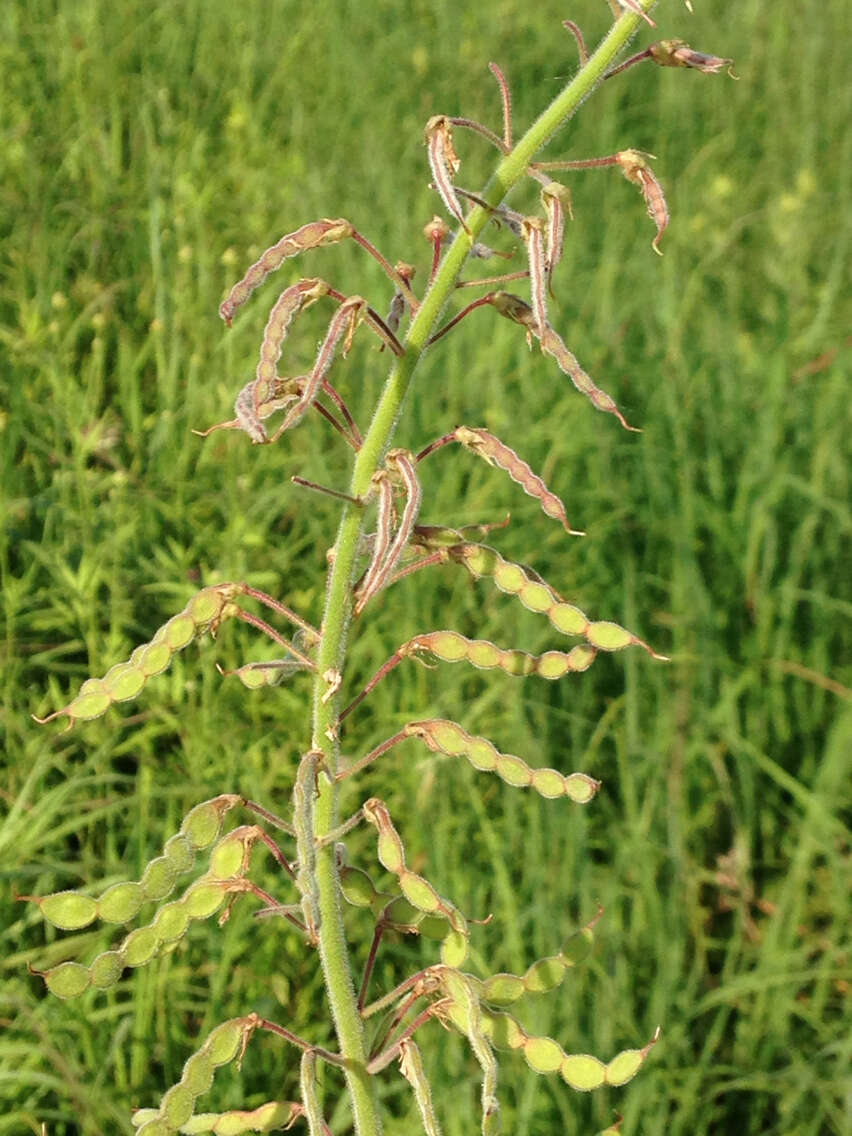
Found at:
<point>339,596</point>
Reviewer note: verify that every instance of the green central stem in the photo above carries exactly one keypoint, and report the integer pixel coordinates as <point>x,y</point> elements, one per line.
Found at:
<point>338,609</point>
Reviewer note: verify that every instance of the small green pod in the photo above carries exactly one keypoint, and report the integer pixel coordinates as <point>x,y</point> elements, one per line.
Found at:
<point>513,771</point>
<point>545,975</point>
<point>568,619</point>
<point>156,1127</point>
<point>357,887</point>
<point>202,823</point>
<point>391,855</point>
<point>608,636</point>
<point>124,681</point>
<point>483,654</point>
<point>434,927</point>
<point>158,879</point>
<point>446,736</point>
<point>121,903</point>
<point>582,1072</point>
<point>68,910</point>
<point>140,946</point>
<point>198,1073</point>
<point>503,989</point>
<point>578,946</point>
<point>543,1054</point>
<point>205,607</point>
<point>171,921</point>
<point>581,657</point>
<point>106,969</point>
<point>419,892</point>
<point>447,645</point>
<point>517,663</point>
<point>154,658</point>
<point>549,783</point>
<point>68,980</point>
<point>225,1041</point>
<point>553,665</point>
<point>89,705</point>
<point>177,1105</point>
<point>405,914</point>
<point>481,754</point>
<point>511,578</point>
<point>454,949</point>
<point>178,632</point>
<point>180,853</point>
<point>204,898</point>
<point>536,597</point>
<point>503,1031</point>
<point>581,788</point>
<point>624,1067</point>
<point>229,857</point>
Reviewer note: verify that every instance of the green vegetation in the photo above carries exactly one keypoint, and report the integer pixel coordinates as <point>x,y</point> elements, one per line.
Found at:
<point>149,151</point>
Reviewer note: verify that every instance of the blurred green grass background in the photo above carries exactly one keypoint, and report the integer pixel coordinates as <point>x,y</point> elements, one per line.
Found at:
<point>150,151</point>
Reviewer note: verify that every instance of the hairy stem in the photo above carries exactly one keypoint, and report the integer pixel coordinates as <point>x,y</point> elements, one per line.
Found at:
<point>339,598</point>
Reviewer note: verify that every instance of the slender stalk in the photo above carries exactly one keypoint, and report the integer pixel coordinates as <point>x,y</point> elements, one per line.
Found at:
<point>339,598</point>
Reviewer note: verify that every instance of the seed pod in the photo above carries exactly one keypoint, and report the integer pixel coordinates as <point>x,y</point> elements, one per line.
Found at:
<point>636,169</point>
<point>345,321</point>
<point>543,976</point>
<point>313,235</point>
<point>230,857</point>
<point>442,736</point>
<point>227,1042</point>
<point>677,53</point>
<point>532,231</point>
<point>556,199</point>
<point>538,596</point>
<point>462,993</point>
<point>444,164</point>
<point>204,612</point>
<point>269,1117</point>
<point>411,1067</point>
<point>387,550</point>
<point>451,647</point>
<point>417,890</point>
<point>517,310</point>
<point>495,452</point>
<point>271,672</point>
<point>544,1055</point>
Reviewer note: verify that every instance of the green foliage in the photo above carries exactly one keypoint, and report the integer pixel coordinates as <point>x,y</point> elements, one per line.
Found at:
<point>137,148</point>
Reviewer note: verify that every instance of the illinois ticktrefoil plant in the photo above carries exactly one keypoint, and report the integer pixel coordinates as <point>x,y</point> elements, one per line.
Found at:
<point>381,540</point>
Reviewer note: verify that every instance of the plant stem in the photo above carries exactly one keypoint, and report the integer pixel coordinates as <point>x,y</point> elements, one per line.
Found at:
<point>332,944</point>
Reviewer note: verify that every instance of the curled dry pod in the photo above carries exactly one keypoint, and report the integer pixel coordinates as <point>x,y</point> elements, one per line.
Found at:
<point>442,736</point>
<point>492,450</point>
<point>635,168</point>
<point>538,596</point>
<point>313,235</point>
<point>444,163</point>
<point>204,612</point>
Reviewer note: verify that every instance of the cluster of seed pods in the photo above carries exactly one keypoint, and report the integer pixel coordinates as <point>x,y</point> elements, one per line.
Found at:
<point>72,910</point>
<point>418,891</point>
<point>543,1055</point>
<point>516,580</point>
<point>495,452</point>
<point>274,1116</point>
<point>394,912</point>
<point>442,736</point>
<point>202,899</point>
<point>225,1044</point>
<point>204,612</point>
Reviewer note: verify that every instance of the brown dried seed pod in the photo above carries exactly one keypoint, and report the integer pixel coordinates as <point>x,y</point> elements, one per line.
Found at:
<point>313,235</point>
<point>677,53</point>
<point>443,736</point>
<point>444,163</point>
<point>635,168</point>
<point>494,451</point>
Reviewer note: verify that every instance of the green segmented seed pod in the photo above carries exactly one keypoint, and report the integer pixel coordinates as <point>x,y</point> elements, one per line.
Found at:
<point>451,647</point>
<point>449,738</point>
<point>225,1042</point>
<point>204,898</point>
<point>125,680</point>
<point>203,823</point>
<point>230,856</point>
<point>269,1117</point>
<point>171,921</point>
<point>121,903</point>
<point>543,1055</point>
